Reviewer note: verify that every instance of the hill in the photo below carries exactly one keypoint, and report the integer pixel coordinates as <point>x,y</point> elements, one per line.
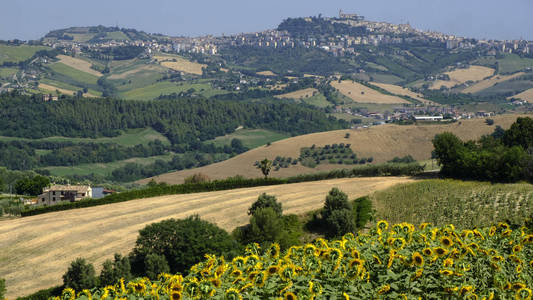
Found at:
<point>382,143</point>
<point>98,232</point>
<point>526,95</point>
<point>460,76</point>
<point>402,91</point>
<point>363,94</point>
<point>489,82</point>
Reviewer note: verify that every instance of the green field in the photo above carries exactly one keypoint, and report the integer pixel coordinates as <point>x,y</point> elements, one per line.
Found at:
<point>251,138</point>
<point>104,169</point>
<point>131,137</point>
<point>74,74</point>
<point>18,53</point>
<point>7,72</point>
<point>67,86</point>
<point>116,35</point>
<point>510,63</point>
<point>166,87</point>
<point>463,203</point>
<point>385,78</point>
<point>318,100</point>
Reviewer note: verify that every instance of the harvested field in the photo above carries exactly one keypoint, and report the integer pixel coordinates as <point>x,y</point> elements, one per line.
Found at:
<point>300,94</point>
<point>382,142</point>
<point>51,88</point>
<point>363,94</point>
<point>78,64</point>
<point>51,241</point>
<point>399,90</point>
<point>526,95</point>
<point>135,71</point>
<point>180,64</point>
<point>487,83</point>
<point>460,76</point>
<point>266,73</point>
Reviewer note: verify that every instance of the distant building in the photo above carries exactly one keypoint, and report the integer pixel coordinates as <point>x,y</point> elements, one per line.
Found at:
<point>354,17</point>
<point>64,193</point>
<point>429,118</point>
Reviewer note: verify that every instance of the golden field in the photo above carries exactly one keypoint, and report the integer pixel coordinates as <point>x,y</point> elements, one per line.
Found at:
<point>400,90</point>
<point>460,76</point>
<point>382,142</point>
<point>179,63</point>
<point>52,89</point>
<point>487,83</point>
<point>78,64</point>
<point>363,94</point>
<point>300,94</point>
<point>526,95</point>
<point>37,250</point>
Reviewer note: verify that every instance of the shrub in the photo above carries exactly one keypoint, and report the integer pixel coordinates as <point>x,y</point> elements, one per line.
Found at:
<point>264,201</point>
<point>155,264</point>
<point>362,210</point>
<point>173,239</point>
<point>197,178</point>
<point>113,271</point>
<point>340,222</point>
<point>80,275</point>
<point>335,200</point>
<point>2,288</point>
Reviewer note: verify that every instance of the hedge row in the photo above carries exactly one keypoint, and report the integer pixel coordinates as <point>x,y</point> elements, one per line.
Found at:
<point>231,183</point>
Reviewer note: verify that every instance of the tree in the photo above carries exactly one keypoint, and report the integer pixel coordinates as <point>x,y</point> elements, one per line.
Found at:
<point>155,264</point>
<point>265,226</point>
<point>113,271</point>
<point>362,209</point>
<point>448,150</point>
<point>183,243</point>
<point>31,186</point>
<point>520,133</point>
<point>264,201</point>
<point>238,146</point>
<point>80,275</point>
<point>265,165</point>
<point>340,222</point>
<point>3,289</point>
<point>335,200</point>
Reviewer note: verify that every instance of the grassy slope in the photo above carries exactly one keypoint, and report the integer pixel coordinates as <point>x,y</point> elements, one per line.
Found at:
<point>96,233</point>
<point>130,138</point>
<point>251,138</point>
<point>165,88</point>
<point>104,169</point>
<point>76,75</point>
<point>462,203</point>
<point>381,142</point>
<point>18,53</point>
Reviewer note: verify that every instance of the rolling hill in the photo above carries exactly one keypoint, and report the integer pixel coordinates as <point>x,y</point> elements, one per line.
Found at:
<point>363,94</point>
<point>97,233</point>
<point>381,142</point>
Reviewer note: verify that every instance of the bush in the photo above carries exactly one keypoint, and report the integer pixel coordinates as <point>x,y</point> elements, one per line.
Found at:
<point>113,271</point>
<point>182,242</point>
<point>2,288</point>
<point>155,264</point>
<point>335,200</point>
<point>362,210</point>
<point>264,201</point>
<point>197,178</point>
<point>266,226</point>
<point>80,275</point>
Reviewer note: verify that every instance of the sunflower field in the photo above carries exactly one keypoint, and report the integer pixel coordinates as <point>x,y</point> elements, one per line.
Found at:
<point>389,262</point>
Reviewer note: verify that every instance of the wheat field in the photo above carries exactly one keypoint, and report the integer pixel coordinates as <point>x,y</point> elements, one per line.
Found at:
<point>526,95</point>
<point>52,89</point>
<point>400,90</point>
<point>305,93</point>
<point>266,73</point>
<point>487,83</point>
<point>78,64</point>
<point>382,142</point>
<point>37,250</point>
<point>180,64</point>
<point>460,76</point>
<point>363,94</point>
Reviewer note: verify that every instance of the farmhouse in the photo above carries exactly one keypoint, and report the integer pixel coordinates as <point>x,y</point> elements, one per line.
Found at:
<point>64,193</point>
<point>428,118</point>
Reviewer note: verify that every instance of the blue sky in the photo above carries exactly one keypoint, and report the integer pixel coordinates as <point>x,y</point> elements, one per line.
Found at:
<point>31,19</point>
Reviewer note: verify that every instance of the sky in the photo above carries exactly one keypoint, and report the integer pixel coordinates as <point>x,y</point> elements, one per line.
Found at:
<point>489,19</point>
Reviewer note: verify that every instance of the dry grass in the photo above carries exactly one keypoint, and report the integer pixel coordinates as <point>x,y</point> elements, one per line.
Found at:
<point>526,95</point>
<point>399,90</point>
<point>487,83</point>
<point>180,64</point>
<point>300,94</point>
<point>383,143</point>
<point>37,250</point>
<point>460,76</point>
<point>51,88</point>
<point>363,94</point>
<point>266,73</point>
<point>78,64</point>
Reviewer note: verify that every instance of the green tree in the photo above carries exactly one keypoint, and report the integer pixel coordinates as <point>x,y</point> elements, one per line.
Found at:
<point>265,226</point>
<point>183,243</point>
<point>3,289</point>
<point>362,210</point>
<point>448,150</point>
<point>155,264</point>
<point>340,222</point>
<point>265,165</point>
<point>113,271</point>
<point>520,133</point>
<point>31,186</point>
<point>264,201</point>
<point>335,200</point>
<point>80,275</point>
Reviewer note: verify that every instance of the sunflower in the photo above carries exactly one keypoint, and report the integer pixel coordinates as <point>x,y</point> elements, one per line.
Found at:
<point>382,226</point>
<point>466,289</point>
<point>507,233</point>
<point>233,294</point>
<point>531,264</point>
<point>427,251</point>
<point>424,225</point>
<point>315,288</point>
<point>272,270</point>
<point>216,282</point>
<point>446,272</point>
<point>175,296</point>
<point>528,239</point>
<point>290,296</point>
<point>496,259</point>
<point>448,262</point>
<point>517,248</point>
<point>236,273</point>
<point>273,251</point>
<point>418,273</point>
<point>355,263</point>
<point>246,286</point>
<point>523,293</point>
<point>376,259</point>
<point>345,296</point>
<point>440,252</point>
<point>446,241</point>
<point>417,259</point>
<point>517,285</point>
<point>356,254</point>
<point>398,244</point>
<point>492,230</point>
<point>384,289</point>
